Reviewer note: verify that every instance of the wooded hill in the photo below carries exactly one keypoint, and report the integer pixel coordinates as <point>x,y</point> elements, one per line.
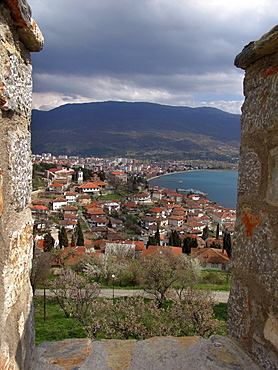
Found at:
<point>142,130</point>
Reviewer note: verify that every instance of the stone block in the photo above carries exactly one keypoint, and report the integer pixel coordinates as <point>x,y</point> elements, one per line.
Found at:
<point>249,172</point>
<point>272,191</point>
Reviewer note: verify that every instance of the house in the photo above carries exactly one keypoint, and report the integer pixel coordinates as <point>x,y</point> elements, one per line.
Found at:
<point>70,216</point>
<point>58,203</point>
<point>71,196</point>
<point>157,249</point>
<point>174,221</point>
<point>167,201</point>
<point>116,224</point>
<point>98,222</point>
<point>157,195</point>
<point>39,209</point>
<point>84,199</point>
<point>130,207</point>
<point>211,258</point>
<point>94,213</point>
<point>110,207</point>
<point>89,188</point>
<point>59,172</point>
<point>57,187</point>
<point>193,197</point>
<point>157,212</point>
<point>141,198</point>
<point>162,222</point>
<point>118,176</point>
<point>70,209</point>
<point>223,217</point>
<point>148,221</point>
<point>101,184</point>
<point>68,224</point>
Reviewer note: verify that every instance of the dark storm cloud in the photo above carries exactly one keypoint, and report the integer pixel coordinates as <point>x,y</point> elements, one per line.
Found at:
<point>178,47</point>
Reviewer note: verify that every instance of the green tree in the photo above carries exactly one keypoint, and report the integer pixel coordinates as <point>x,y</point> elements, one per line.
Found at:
<point>79,234</point>
<point>151,241</point>
<point>205,234</point>
<point>102,176</point>
<point>157,236</point>
<point>63,237</point>
<point>189,243</point>
<point>194,243</point>
<point>48,242</point>
<point>217,231</point>
<point>73,240</point>
<point>186,247</point>
<point>227,243</point>
<point>174,239</point>
<point>109,224</point>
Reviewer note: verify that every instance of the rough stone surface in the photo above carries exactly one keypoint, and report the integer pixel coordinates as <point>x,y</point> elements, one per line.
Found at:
<point>255,50</point>
<point>160,353</point>
<point>16,244</point>
<point>253,302</point>
<point>249,182</point>
<point>28,31</point>
<point>272,192</point>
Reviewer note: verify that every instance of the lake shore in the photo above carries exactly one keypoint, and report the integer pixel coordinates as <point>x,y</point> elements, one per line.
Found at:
<point>199,169</point>
<point>220,186</point>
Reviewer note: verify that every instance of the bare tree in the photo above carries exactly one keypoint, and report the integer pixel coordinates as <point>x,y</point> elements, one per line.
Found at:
<point>159,272</point>
<point>41,269</point>
<point>74,294</point>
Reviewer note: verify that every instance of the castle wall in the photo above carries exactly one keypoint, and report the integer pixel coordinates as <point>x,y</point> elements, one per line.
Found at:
<point>253,303</point>
<point>19,36</point>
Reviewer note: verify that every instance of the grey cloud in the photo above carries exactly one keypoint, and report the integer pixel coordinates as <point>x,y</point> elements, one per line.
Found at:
<point>174,47</point>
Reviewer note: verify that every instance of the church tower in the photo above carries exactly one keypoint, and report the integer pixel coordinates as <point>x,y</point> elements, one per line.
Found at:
<point>80,176</point>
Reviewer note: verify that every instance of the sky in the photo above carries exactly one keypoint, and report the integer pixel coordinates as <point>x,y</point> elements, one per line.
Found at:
<point>173,52</point>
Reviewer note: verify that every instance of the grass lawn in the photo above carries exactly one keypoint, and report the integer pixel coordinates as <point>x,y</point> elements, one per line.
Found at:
<point>214,280</point>
<point>110,197</point>
<point>57,326</point>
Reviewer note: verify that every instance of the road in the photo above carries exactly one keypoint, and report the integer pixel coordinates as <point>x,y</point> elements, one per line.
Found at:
<point>219,296</point>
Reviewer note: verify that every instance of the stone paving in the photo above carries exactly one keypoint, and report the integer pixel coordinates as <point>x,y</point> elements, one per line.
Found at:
<point>159,353</point>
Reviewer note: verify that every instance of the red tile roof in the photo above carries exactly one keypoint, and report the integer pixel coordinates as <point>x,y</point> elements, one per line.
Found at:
<point>152,249</point>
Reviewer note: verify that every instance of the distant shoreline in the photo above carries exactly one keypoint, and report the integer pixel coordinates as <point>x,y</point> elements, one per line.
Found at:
<point>175,172</point>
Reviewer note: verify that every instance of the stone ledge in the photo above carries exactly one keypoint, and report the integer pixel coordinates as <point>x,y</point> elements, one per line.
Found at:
<point>28,31</point>
<point>267,44</point>
<point>159,353</point>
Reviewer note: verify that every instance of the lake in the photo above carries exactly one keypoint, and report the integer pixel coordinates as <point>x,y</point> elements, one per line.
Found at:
<point>220,186</point>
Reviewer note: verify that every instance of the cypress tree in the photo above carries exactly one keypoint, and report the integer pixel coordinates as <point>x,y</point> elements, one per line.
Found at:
<point>157,236</point>
<point>174,239</point>
<point>151,241</point>
<point>205,234</point>
<point>73,240</point>
<point>217,232</point>
<point>80,237</point>
<point>63,238</point>
<point>227,243</point>
<point>194,243</point>
<point>186,247</point>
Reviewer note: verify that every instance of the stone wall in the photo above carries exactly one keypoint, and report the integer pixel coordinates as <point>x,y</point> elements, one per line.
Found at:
<point>19,36</point>
<point>253,303</point>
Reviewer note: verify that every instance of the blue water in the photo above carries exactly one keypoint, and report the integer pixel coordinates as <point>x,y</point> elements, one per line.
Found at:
<point>221,186</point>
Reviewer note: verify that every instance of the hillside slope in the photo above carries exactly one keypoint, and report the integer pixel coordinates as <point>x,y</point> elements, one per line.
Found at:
<point>136,129</point>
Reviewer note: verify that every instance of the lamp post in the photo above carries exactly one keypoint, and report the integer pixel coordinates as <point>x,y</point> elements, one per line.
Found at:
<point>113,277</point>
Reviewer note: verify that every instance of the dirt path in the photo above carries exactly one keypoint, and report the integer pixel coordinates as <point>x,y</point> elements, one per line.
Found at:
<point>219,296</point>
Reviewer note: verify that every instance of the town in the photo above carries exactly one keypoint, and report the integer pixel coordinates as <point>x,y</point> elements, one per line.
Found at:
<point>111,204</point>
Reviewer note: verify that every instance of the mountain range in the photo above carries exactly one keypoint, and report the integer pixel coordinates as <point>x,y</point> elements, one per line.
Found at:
<point>141,130</point>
